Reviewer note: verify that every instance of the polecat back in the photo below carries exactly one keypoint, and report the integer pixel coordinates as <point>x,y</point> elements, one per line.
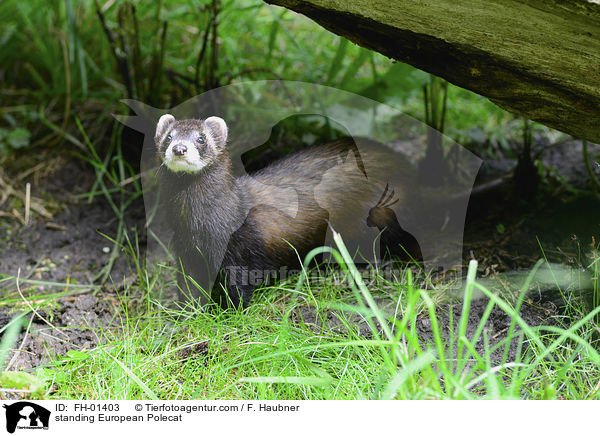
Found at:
<point>223,225</point>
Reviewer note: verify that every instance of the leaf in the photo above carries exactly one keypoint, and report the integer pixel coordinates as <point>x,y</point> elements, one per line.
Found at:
<point>18,138</point>
<point>353,68</point>
<point>78,355</point>
<point>22,380</point>
<point>272,38</point>
<point>336,64</point>
<point>400,80</point>
<point>9,338</point>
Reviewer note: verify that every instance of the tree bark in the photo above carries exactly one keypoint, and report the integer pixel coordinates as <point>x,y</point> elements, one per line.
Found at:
<point>537,58</point>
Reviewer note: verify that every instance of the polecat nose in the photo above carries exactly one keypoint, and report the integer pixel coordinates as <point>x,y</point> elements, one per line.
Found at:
<point>179,149</point>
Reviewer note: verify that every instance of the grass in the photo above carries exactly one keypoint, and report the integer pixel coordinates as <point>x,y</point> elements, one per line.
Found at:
<point>269,352</point>
<point>59,63</point>
<point>63,79</point>
<point>283,347</point>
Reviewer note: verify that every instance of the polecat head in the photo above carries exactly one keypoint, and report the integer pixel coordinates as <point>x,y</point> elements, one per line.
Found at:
<point>189,146</point>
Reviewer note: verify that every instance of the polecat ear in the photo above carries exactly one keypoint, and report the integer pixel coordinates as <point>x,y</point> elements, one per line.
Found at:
<point>163,124</point>
<point>218,130</point>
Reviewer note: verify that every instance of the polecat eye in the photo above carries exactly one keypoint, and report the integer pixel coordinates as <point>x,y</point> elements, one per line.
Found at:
<point>169,137</point>
<point>201,139</point>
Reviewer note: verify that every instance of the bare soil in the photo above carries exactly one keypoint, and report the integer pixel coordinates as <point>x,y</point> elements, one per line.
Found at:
<point>70,247</point>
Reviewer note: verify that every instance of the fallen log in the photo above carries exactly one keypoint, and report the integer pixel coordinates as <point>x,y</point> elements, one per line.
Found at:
<point>536,58</point>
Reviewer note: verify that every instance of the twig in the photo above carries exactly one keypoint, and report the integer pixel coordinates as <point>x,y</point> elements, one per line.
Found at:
<point>202,52</point>
<point>131,179</point>
<point>174,76</point>
<point>54,226</point>
<point>32,170</point>
<point>20,391</point>
<point>588,167</point>
<point>14,358</point>
<point>27,202</point>
<point>157,65</point>
<point>214,83</point>
<point>126,55</point>
<point>33,309</point>
<point>122,61</point>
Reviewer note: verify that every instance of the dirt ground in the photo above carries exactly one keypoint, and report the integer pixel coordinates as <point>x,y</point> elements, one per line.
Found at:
<point>70,246</point>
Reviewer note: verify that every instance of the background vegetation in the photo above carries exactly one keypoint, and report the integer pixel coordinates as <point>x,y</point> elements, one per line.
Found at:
<point>65,65</point>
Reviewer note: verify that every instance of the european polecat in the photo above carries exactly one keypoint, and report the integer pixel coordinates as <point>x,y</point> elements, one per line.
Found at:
<point>236,231</point>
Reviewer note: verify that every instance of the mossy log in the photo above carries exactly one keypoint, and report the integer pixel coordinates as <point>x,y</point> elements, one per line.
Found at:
<point>536,58</point>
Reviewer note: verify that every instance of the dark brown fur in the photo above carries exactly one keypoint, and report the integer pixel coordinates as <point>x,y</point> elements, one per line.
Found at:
<point>229,224</point>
